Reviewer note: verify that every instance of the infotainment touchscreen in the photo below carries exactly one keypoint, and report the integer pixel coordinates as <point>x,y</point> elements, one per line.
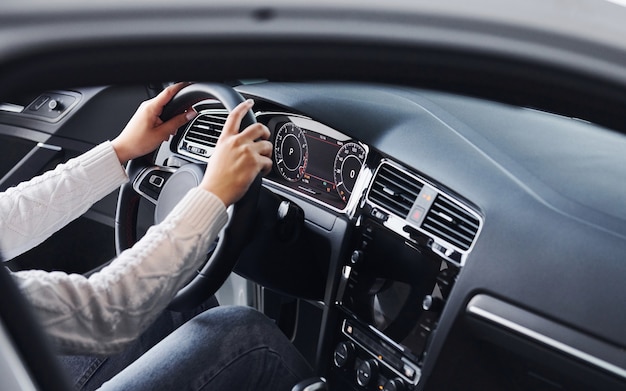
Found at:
<point>398,290</point>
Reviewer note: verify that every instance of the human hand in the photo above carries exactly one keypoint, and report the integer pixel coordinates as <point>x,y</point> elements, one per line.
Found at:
<point>146,131</point>
<point>238,158</point>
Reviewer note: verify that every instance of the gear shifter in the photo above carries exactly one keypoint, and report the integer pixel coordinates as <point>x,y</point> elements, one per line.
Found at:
<point>311,384</point>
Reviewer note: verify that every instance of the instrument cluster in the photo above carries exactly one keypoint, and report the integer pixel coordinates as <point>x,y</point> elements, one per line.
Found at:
<point>314,159</point>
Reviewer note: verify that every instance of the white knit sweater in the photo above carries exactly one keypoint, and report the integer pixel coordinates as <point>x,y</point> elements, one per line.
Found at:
<point>103,313</point>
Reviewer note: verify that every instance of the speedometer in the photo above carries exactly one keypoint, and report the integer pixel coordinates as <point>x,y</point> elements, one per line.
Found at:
<point>348,163</point>
<point>291,152</point>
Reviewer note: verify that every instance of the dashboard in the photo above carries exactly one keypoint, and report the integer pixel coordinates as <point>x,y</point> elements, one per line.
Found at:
<point>442,242</point>
<point>443,199</point>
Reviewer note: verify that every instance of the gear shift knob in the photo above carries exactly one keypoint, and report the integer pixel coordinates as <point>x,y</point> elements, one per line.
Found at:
<point>311,384</point>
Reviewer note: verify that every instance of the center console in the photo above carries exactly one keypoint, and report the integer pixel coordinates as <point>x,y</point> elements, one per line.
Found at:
<point>387,314</point>
<point>395,285</point>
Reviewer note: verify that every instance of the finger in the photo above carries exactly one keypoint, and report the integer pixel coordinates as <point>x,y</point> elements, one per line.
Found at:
<point>256,132</point>
<point>266,164</point>
<point>233,122</point>
<point>171,126</point>
<point>263,148</point>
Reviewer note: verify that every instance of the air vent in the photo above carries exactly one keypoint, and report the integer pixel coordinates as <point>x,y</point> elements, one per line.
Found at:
<point>206,128</point>
<point>394,190</point>
<point>452,223</point>
<point>201,135</point>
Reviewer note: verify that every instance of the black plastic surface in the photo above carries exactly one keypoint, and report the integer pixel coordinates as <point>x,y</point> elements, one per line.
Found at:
<point>534,248</point>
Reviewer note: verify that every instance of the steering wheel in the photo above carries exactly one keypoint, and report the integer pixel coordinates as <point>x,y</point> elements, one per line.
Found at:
<point>165,186</point>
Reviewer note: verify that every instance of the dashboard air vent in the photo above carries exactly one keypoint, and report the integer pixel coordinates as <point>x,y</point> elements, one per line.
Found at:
<point>449,221</point>
<point>394,190</point>
<point>206,129</point>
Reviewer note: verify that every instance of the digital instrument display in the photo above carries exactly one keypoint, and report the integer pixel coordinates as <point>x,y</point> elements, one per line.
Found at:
<point>314,159</point>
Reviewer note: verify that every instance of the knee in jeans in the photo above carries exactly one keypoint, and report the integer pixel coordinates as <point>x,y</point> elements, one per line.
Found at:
<point>232,318</point>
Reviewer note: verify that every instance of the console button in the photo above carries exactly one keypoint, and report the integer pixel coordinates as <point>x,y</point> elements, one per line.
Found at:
<point>432,304</point>
<point>366,372</point>
<point>344,354</point>
<point>394,385</point>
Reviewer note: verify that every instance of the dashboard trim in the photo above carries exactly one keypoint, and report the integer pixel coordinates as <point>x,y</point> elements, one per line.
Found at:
<point>544,332</point>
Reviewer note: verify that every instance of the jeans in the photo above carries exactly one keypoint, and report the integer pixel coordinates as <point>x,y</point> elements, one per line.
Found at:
<point>88,373</point>
<point>224,348</point>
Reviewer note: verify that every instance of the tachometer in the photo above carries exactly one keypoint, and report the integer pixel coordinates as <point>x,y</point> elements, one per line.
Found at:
<point>291,152</point>
<point>348,163</point>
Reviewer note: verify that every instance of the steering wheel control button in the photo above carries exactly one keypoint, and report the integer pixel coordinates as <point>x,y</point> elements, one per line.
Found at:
<point>152,183</point>
<point>156,180</point>
<point>367,372</point>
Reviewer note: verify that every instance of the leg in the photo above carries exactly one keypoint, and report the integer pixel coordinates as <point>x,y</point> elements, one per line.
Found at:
<point>225,348</point>
<point>89,372</point>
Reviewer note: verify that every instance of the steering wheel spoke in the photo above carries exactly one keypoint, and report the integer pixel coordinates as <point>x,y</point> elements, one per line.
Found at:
<point>151,181</point>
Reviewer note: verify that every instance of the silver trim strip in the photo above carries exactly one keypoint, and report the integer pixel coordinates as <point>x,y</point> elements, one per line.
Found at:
<point>11,108</point>
<point>49,146</point>
<point>484,307</point>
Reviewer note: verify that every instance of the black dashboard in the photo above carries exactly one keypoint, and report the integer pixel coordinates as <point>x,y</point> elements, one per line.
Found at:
<point>446,242</point>
<point>443,191</point>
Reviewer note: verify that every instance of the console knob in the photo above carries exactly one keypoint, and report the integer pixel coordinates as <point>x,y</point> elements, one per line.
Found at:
<point>432,304</point>
<point>366,372</point>
<point>394,385</point>
<point>357,257</point>
<point>290,220</point>
<point>54,104</point>
<point>344,354</point>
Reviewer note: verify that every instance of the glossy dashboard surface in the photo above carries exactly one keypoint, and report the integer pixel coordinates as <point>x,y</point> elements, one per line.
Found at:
<point>533,247</point>
<point>460,145</point>
<point>512,196</point>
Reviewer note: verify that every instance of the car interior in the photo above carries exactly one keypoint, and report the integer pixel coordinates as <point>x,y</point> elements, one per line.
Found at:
<point>458,229</point>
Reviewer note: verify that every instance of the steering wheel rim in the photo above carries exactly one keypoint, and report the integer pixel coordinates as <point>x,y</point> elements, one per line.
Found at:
<point>237,231</point>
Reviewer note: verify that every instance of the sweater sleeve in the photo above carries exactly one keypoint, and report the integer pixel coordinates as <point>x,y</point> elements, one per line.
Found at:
<point>32,211</point>
<point>103,313</point>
